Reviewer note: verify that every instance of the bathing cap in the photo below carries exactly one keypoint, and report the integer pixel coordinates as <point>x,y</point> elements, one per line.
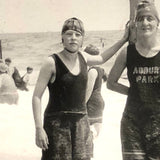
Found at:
<point>144,8</point>
<point>73,24</point>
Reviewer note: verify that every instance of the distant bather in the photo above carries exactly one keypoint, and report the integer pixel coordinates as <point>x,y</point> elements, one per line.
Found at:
<point>8,90</point>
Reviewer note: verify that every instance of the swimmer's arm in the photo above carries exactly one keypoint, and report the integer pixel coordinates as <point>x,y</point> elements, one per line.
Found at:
<point>107,53</point>
<point>116,72</point>
<point>47,70</point>
<point>92,75</point>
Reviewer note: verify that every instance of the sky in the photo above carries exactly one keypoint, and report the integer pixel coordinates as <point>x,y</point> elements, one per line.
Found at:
<point>49,15</point>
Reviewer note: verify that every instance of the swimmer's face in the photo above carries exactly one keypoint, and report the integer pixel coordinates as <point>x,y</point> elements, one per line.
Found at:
<point>147,24</point>
<point>72,40</point>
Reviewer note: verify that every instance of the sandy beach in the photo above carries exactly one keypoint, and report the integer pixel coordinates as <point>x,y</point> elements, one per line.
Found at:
<point>17,133</point>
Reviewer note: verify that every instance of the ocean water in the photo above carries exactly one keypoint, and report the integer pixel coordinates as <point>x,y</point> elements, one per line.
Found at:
<point>31,48</point>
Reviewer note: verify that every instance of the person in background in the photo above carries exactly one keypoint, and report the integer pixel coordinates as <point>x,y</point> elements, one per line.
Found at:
<point>140,124</point>
<point>8,62</point>
<point>102,42</point>
<point>65,133</point>
<point>8,90</point>
<point>26,77</point>
<point>94,99</point>
<point>13,72</point>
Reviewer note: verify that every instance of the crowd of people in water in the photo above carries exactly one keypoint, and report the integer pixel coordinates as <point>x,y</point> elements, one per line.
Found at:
<point>11,81</point>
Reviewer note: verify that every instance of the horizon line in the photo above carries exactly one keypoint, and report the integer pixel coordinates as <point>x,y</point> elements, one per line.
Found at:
<point>58,31</point>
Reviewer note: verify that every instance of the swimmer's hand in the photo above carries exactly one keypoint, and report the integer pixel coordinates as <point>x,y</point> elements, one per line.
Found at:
<point>127,31</point>
<point>41,138</point>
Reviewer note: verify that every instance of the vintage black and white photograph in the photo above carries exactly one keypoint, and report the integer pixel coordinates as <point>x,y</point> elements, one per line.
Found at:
<point>79,80</point>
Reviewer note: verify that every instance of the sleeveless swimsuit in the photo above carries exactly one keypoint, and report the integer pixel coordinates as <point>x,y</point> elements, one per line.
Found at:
<point>65,119</point>
<point>95,104</point>
<point>140,129</point>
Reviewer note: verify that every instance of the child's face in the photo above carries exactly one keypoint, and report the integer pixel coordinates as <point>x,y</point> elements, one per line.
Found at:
<point>8,63</point>
<point>29,71</point>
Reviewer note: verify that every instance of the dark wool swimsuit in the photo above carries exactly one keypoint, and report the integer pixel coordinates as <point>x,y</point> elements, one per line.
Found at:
<point>95,104</point>
<point>65,119</point>
<point>140,125</point>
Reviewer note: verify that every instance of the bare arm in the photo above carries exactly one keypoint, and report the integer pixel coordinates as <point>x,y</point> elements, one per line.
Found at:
<point>44,76</point>
<point>47,70</point>
<point>107,53</point>
<point>115,74</point>
<point>92,75</point>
